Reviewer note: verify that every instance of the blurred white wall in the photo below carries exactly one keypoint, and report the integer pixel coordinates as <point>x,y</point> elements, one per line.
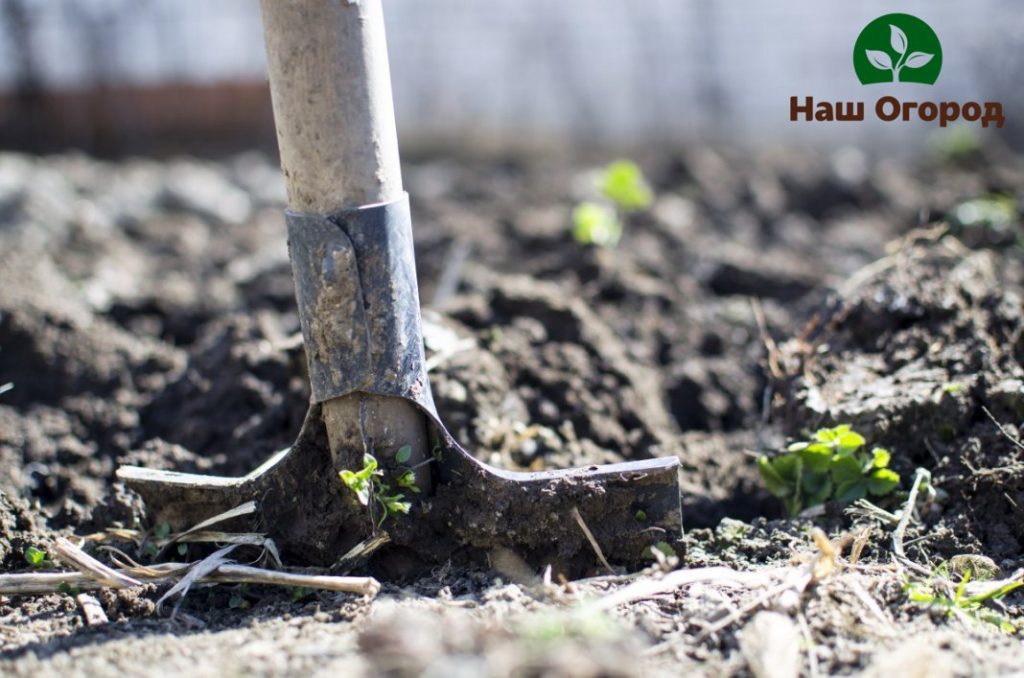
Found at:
<point>513,72</point>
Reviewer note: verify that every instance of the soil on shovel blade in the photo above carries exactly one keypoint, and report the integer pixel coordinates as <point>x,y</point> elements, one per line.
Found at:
<point>147,317</point>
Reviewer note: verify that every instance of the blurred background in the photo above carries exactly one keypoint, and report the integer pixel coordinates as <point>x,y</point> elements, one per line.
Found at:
<point>155,76</point>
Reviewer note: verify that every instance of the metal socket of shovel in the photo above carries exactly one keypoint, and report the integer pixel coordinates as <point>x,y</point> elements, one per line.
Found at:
<point>350,244</point>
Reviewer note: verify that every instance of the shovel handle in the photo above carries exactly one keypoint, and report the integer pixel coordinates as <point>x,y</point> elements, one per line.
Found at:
<point>331,91</point>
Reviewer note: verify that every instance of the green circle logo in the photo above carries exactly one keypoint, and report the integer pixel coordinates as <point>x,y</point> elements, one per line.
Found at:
<point>897,48</point>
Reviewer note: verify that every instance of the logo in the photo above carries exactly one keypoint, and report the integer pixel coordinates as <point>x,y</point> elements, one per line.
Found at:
<point>897,48</point>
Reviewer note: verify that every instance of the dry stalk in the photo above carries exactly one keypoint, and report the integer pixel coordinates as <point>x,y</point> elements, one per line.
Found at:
<point>590,537</point>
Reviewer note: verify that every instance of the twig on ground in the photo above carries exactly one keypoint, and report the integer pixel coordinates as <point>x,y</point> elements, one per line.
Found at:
<point>590,537</point>
<point>203,568</point>
<point>38,583</point>
<point>901,529</point>
<point>1002,429</point>
<point>860,541</point>
<point>361,551</point>
<point>872,605</point>
<point>237,512</point>
<point>75,557</point>
<point>244,574</point>
<point>774,365</point>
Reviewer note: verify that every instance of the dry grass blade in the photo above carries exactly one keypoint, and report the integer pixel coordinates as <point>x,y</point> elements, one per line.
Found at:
<point>590,538</point>
<point>203,568</point>
<point>75,557</point>
<point>236,538</point>
<point>216,568</point>
<point>901,529</point>
<point>1002,429</point>
<point>984,589</point>
<point>237,512</point>
<point>361,551</point>
<point>42,583</point>
<point>243,574</point>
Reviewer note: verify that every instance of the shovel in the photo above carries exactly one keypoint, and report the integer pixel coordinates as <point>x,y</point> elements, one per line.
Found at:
<point>408,483</point>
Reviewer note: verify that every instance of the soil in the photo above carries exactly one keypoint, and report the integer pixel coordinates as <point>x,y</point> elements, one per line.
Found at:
<point>147,317</point>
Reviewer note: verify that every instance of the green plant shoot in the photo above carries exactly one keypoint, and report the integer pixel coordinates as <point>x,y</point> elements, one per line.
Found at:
<point>623,183</point>
<point>35,557</point>
<point>831,466</point>
<point>596,224</point>
<point>367,484</point>
<point>962,605</point>
<point>622,189</point>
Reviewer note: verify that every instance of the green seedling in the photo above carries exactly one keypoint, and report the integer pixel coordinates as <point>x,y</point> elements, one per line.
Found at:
<point>67,589</point>
<point>623,189</point>
<point>831,466</point>
<point>996,213</point>
<point>367,484</point>
<point>35,557</point>
<point>961,605</point>
<point>623,183</point>
<point>596,224</point>
<point>300,592</point>
<point>958,142</point>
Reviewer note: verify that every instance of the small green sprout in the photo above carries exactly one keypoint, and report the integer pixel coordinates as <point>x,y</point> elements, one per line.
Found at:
<point>407,480</point>
<point>162,531</point>
<point>832,466</point>
<point>962,605</point>
<point>958,142</point>
<point>623,189</point>
<point>367,484</point>
<point>35,557</point>
<point>394,503</point>
<point>67,589</point>
<point>993,212</point>
<point>623,183</point>
<point>361,482</point>
<point>300,592</point>
<point>404,454</point>
<point>596,224</point>
<point>640,515</point>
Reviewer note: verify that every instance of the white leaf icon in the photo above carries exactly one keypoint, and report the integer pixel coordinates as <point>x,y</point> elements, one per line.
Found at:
<point>879,59</point>
<point>918,59</point>
<point>898,40</point>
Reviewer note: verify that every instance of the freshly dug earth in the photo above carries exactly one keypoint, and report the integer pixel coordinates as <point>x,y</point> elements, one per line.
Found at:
<point>147,317</point>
